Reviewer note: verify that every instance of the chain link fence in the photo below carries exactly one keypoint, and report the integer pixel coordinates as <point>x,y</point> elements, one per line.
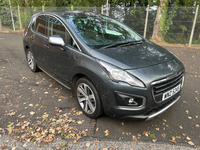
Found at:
<point>177,25</point>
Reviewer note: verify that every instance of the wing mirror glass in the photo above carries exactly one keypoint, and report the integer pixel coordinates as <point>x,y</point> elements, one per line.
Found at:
<point>57,40</point>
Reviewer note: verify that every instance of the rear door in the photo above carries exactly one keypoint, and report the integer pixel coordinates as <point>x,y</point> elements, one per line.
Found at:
<point>38,36</point>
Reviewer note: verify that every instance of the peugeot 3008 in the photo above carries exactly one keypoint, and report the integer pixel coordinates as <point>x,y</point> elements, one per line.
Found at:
<point>109,67</point>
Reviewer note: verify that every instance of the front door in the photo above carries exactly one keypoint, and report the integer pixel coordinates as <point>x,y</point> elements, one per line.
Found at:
<point>59,60</point>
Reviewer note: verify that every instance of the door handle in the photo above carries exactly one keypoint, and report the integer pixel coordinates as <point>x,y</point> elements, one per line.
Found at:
<point>32,37</point>
<point>47,46</point>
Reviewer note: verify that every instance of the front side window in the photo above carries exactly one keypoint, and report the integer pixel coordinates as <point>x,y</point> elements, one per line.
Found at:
<point>100,31</point>
<point>40,25</point>
<point>34,23</point>
<point>57,28</point>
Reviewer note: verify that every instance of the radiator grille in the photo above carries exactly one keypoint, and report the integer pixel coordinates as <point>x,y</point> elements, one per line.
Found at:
<point>164,85</point>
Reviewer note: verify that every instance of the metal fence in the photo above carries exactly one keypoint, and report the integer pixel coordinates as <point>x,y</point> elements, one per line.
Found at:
<point>178,23</point>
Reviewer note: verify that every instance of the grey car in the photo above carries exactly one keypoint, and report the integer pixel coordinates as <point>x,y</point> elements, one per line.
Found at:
<point>108,67</point>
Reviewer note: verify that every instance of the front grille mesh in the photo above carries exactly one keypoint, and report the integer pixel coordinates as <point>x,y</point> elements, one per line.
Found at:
<point>159,88</point>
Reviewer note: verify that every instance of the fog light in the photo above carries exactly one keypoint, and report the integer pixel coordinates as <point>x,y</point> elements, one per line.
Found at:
<point>123,99</point>
<point>131,100</point>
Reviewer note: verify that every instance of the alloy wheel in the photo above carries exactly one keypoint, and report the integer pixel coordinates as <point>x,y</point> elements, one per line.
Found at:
<point>30,60</point>
<point>86,98</point>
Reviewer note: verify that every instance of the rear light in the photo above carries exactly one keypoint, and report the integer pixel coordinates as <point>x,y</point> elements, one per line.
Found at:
<point>24,30</point>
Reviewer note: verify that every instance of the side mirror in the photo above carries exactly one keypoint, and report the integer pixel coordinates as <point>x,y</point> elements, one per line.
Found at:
<point>57,40</point>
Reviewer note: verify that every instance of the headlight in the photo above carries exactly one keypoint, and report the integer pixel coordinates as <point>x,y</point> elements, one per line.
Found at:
<point>117,75</point>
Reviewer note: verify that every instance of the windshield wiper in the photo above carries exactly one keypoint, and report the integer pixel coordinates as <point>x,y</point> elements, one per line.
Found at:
<point>123,44</point>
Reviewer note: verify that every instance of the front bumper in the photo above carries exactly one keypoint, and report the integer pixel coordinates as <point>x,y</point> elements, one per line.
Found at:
<point>148,108</point>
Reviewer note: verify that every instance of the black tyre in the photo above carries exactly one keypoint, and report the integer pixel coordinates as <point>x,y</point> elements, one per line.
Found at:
<point>31,61</point>
<point>88,98</point>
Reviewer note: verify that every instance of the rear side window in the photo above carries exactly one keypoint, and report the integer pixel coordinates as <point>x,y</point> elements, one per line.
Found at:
<point>39,24</point>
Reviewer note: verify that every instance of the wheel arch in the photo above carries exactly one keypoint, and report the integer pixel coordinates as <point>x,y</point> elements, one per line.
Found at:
<point>94,78</point>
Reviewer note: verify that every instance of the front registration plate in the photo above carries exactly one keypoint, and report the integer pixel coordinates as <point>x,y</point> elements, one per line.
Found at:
<point>171,92</point>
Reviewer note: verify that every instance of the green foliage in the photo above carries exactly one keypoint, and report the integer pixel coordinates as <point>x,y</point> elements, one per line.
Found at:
<point>180,29</point>
<point>167,19</point>
<point>5,13</point>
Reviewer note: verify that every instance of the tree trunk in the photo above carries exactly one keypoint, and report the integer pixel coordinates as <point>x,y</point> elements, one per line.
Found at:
<point>26,3</point>
<point>157,35</point>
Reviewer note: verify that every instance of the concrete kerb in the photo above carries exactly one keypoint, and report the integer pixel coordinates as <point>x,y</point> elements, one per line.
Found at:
<point>86,143</point>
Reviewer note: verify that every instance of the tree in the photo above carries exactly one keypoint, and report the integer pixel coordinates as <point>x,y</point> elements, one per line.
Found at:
<point>159,21</point>
<point>5,16</point>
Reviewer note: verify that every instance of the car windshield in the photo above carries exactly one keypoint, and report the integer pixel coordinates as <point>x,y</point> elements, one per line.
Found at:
<point>100,31</point>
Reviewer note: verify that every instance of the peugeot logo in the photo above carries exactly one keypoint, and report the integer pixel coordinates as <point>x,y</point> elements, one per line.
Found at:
<point>171,68</point>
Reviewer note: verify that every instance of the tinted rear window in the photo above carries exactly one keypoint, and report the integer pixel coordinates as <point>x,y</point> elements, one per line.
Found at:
<point>40,25</point>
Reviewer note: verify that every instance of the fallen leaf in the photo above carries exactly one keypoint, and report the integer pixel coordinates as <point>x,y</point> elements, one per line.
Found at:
<point>145,133</point>
<point>96,141</point>
<point>172,141</point>
<point>183,134</point>
<point>87,144</point>
<point>150,148</point>
<point>163,135</point>
<point>80,122</point>
<point>31,105</point>
<point>45,115</point>
<point>173,137</point>
<point>187,138</point>
<point>178,137</point>
<point>63,144</point>
<point>157,129</point>
<point>154,140</point>
<point>187,111</point>
<point>46,93</point>
<point>9,125</point>
<point>196,125</point>
<point>180,127</point>
<point>135,139</point>
<point>164,120</point>
<point>75,141</point>
<point>152,136</point>
<point>106,134</point>
<point>191,143</point>
<point>32,112</point>
<point>3,146</point>
<point>189,117</point>
<point>97,129</point>
<point>59,139</point>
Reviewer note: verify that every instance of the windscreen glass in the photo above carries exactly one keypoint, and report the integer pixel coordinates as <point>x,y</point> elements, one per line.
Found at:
<point>100,31</point>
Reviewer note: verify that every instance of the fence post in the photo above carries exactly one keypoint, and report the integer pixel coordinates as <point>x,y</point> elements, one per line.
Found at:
<point>42,8</point>
<point>0,24</point>
<point>193,27</point>
<point>107,8</point>
<point>12,16</point>
<point>102,9</point>
<point>146,21</point>
<point>72,7</point>
<point>20,22</point>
